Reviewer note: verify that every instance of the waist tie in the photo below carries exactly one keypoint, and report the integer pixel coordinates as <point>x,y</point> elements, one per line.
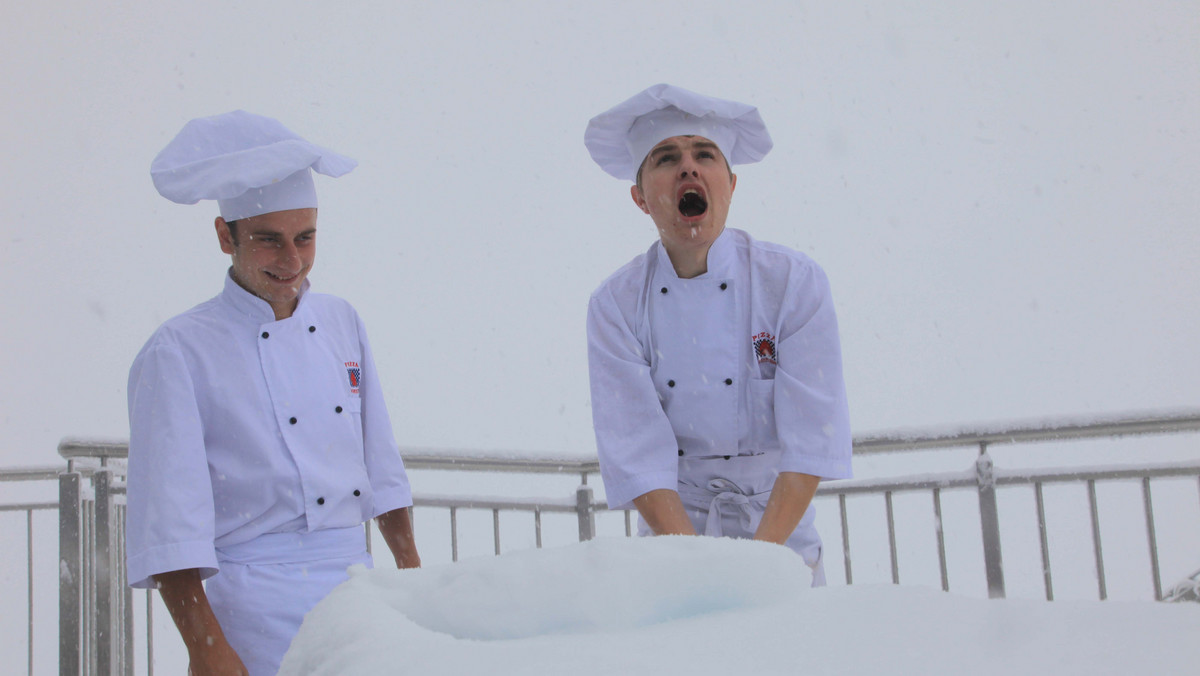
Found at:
<point>723,497</point>
<point>296,547</point>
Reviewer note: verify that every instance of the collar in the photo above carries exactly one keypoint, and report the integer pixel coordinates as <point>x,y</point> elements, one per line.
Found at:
<point>251,305</point>
<point>721,256</point>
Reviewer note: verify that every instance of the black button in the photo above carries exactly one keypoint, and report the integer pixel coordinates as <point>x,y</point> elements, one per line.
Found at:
<point>338,409</point>
<point>729,381</point>
<point>727,457</point>
<point>357,492</point>
<point>724,286</point>
<point>266,335</point>
<point>664,289</point>
<point>681,452</point>
<point>320,501</point>
<point>312,329</point>
<point>292,420</point>
<point>670,383</point>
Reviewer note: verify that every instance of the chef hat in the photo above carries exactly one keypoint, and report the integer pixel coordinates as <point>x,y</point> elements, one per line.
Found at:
<point>250,164</point>
<point>620,138</point>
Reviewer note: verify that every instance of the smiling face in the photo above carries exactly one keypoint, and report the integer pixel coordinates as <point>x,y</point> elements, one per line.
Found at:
<point>272,255</point>
<point>686,187</point>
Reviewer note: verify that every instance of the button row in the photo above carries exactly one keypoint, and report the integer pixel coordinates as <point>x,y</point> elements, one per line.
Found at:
<point>671,383</point>
<point>267,334</point>
<point>357,493</point>
<point>723,287</point>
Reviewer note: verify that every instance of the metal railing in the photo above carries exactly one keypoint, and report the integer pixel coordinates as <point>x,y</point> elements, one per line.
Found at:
<point>95,617</point>
<point>28,475</point>
<point>96,626</point>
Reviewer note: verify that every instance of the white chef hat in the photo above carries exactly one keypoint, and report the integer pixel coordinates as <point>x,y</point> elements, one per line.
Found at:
<point>250,164</point>
<point>620,138</point>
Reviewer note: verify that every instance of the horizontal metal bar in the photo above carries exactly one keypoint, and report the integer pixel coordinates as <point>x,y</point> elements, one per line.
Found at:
<point>437,459</point>
<point>72,448</point>
<point>899,484</point>
<point>28,506</point>
<point>484,502</point>
<point>1103,473</point>
<point>1030,432</point>
<point>1010,478</point>
<point>30,474</point>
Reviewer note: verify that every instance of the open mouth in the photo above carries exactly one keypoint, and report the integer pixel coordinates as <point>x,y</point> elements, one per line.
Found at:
<point>692,203</point>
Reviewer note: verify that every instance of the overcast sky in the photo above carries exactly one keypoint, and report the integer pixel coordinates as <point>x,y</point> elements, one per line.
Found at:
<point>1005,195</point>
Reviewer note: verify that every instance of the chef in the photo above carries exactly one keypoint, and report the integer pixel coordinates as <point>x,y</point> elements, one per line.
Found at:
<point>716,373</point>
<point>259,439</point>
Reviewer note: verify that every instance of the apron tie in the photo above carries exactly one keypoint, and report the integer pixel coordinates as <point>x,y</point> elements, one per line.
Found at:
<point>727,498</point>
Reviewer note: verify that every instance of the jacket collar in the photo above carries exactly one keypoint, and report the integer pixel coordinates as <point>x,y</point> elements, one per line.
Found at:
<point>250,305</point>
<point>721,257</point>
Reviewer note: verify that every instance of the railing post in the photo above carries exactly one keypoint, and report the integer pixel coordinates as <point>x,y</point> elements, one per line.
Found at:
<point>587,515</point>
<point>111,606</point>
<point>69,574</point>
<point>989,519</point>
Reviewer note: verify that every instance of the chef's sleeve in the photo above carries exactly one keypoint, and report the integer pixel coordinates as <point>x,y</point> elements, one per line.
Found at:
<point>634,440</point>
<point>169,516</point>
<point>811,413</point>
<point>385,469</point>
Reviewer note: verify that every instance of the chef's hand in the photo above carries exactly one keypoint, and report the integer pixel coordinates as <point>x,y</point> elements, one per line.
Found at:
<point>208,651</point>
<point>217,660</point>
<point>790,497</point>
<point>664,513</point>
<point>396,528</point>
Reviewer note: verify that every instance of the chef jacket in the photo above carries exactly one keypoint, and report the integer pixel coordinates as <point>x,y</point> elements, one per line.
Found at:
<point>241,425</point>
<point>741,360</point>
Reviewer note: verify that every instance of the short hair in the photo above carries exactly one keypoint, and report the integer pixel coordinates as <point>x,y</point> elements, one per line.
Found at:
<point>232,230</point>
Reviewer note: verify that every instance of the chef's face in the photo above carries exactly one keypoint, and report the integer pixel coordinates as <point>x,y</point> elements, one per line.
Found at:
<point>272,254</point>
<point>686,187</point>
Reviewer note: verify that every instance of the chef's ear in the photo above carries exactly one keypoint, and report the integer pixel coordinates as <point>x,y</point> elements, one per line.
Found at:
<point>638,198</point>
<point>226,234</point>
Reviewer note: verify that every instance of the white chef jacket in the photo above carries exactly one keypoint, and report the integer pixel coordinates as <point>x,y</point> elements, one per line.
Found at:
<point>241,425</point>
<point>740,361</point>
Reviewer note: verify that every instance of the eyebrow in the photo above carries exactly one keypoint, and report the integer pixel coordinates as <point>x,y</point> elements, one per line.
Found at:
<point>276,233</point>
<point>672,147</point>
<point>664,148</point>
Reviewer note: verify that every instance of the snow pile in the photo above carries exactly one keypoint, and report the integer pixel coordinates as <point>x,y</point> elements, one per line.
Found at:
<point>710,606</point>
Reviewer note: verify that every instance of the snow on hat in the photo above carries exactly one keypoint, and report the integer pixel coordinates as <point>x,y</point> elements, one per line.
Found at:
<point>620,138</point>
<point>250,164</point>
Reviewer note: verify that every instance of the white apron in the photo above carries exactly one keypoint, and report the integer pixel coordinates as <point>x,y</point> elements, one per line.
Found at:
<point>267,586</point>
<point>726,498</point>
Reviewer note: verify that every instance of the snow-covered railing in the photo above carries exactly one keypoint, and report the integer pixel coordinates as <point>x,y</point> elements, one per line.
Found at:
<point>985,479</point>
<point>96,625</point>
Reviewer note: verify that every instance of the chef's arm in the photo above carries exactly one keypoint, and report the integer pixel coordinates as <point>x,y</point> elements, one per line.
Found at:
<point>397,531</point>
<point>789,500</point>
<point>663,511</point>
<point>208,650</point>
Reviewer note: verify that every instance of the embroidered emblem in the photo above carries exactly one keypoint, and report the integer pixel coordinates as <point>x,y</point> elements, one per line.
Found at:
<point>764,348</point>
<point>354,373</point>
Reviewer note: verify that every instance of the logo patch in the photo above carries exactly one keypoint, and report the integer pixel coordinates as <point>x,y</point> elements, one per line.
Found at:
<point>764,348</point>
<point>354,373</point>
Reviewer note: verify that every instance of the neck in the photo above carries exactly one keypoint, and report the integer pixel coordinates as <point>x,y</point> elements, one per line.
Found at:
<point>689,263</point>
<point>284,310</point>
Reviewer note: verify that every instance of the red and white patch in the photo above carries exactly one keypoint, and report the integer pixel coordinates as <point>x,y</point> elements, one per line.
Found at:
<point>764,348</point>
<point>354,374</point>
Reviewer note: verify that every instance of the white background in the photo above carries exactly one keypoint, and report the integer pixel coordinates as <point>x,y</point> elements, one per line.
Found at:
<point>1004,194</point>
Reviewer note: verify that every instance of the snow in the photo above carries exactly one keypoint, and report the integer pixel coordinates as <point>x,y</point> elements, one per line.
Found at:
<point>687,605</point>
